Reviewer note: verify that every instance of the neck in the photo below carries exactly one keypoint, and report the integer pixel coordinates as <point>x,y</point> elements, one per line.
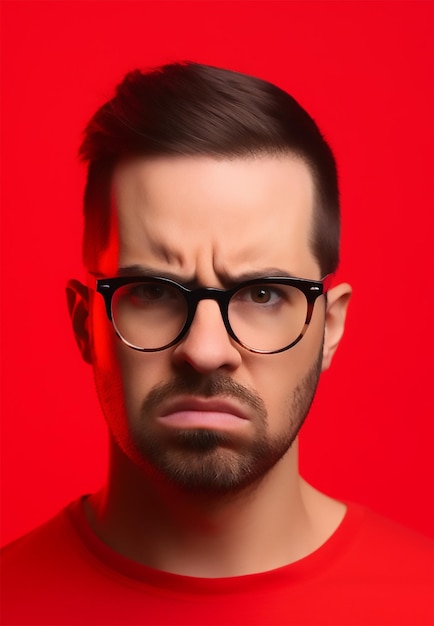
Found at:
<point>275,522</point>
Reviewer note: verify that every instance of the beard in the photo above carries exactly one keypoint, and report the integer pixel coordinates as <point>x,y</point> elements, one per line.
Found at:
<point>216,462</point>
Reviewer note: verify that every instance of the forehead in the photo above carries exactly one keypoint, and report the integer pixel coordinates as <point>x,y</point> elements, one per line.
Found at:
<point>205,218</point>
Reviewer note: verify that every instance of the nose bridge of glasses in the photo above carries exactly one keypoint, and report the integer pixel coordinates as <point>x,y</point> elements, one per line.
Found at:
<point>209,293</point>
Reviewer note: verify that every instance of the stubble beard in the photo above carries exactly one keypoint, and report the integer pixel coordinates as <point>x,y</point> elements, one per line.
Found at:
<point>216,462</point>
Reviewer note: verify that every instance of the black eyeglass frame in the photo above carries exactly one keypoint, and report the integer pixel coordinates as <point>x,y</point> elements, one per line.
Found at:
<point>312,289</point>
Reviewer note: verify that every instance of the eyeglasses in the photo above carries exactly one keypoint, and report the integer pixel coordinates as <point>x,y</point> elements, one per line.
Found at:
<point>266,315</point>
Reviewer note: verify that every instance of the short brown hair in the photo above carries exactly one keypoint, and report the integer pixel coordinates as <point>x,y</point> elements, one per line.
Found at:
<point>192,109</point>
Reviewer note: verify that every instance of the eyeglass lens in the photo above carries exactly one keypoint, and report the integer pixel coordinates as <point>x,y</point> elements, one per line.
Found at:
<point>264,317</point>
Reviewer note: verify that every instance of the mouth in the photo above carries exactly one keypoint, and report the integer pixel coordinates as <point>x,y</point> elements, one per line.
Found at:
<point>203,413</point>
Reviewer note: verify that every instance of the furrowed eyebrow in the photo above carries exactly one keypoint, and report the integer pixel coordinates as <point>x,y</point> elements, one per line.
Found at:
<point>137,270</point>
<point>141,270</point>
<point>266,272</point>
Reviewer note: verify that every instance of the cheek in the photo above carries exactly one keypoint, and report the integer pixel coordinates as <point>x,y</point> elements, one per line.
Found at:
<point>275,377</point>
<point>123,376</point>
<point>140,372</point>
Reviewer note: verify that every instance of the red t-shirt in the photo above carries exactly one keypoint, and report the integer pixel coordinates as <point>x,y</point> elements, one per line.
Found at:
<point>371,571</point>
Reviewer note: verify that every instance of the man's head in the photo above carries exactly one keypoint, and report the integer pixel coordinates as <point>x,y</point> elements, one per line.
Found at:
<point>197,110</point>
<point>207,178</point>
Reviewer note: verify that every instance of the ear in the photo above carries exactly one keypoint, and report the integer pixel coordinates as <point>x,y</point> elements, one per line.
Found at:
<point>77,296</point>
<point>336,312</point>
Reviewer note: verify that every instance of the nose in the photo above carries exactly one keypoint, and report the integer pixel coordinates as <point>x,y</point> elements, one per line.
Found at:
<point>207,346</point>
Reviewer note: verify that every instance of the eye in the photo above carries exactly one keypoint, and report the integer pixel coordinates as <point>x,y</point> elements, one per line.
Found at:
<point>149,293</point>
<point>260,294</point>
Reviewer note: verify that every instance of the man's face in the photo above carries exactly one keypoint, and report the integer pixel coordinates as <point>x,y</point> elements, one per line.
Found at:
<point>207,414</point>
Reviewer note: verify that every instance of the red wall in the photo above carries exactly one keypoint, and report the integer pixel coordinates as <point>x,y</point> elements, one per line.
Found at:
<point>364,70</point>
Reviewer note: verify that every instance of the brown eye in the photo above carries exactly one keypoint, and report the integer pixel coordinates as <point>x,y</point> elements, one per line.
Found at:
<point>260,295</point>
<point>147,292</point>
<point>141,294</point>
<point>269,295</point>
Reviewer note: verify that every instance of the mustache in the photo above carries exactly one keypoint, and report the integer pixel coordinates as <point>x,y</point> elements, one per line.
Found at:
<point>217,386</point>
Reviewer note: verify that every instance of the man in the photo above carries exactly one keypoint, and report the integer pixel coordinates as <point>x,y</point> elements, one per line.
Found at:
<point>211,239</point>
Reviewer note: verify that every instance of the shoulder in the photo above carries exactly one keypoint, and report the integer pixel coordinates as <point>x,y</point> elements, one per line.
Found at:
<point>38,540</point>
<point>380,554</point>
<point>386,538</point>
<point>381,571</point>
<point>42,553</point>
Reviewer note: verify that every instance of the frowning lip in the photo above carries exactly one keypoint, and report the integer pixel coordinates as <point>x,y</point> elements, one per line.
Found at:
<point>203,405</point>
<point>209,413</point>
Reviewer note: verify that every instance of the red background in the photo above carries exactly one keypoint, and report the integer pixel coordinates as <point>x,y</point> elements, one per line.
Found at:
<point>364,71</point>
